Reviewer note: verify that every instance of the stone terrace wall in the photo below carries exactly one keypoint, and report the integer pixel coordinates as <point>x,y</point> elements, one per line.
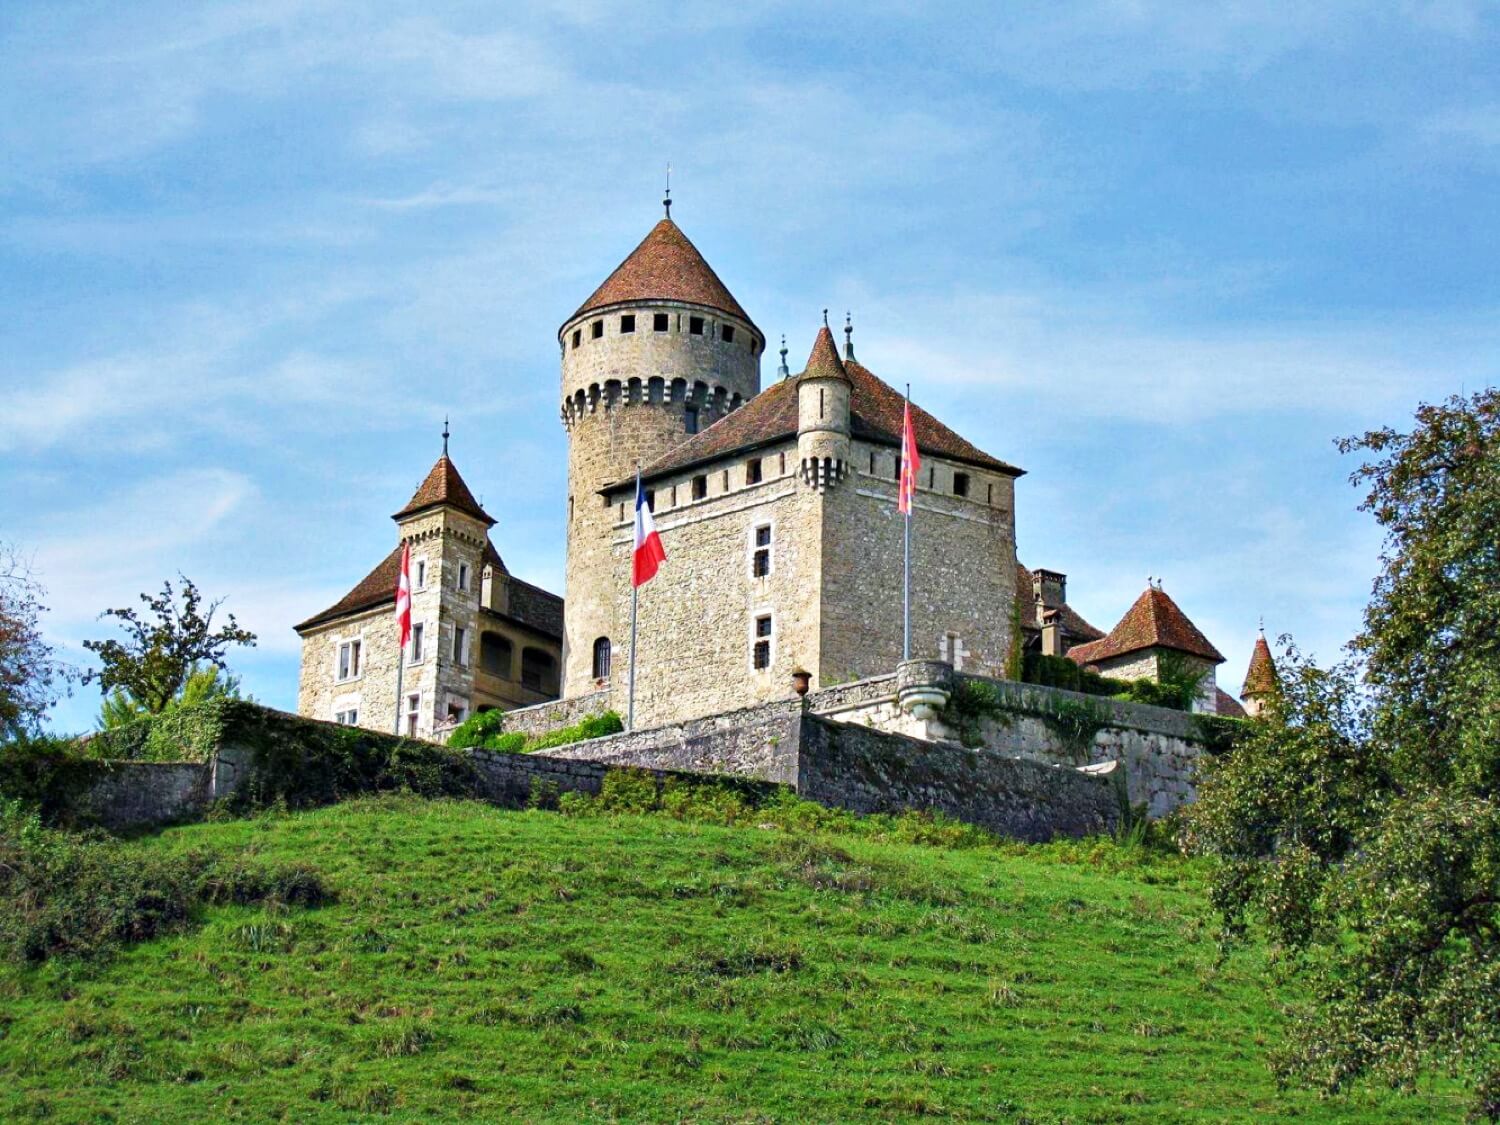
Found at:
<point>140,794</point>
<point>867,770</point>
<point>755,742</point>
<point>860,693</point>
<point>544,718</point>
<point>511,779</point>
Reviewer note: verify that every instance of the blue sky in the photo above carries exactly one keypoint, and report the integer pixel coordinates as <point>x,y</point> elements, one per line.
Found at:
<point>1159,255</point>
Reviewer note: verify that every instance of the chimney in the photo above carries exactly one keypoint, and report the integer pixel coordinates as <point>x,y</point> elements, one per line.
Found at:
<point>1049,587</point>
<point>1051,633</point>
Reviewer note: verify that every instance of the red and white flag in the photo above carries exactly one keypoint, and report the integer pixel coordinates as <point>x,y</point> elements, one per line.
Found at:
<point>910,463</point>
<point>403,596</point>
<point>649,553</point>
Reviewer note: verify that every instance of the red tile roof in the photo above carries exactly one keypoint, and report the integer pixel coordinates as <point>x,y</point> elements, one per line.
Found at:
<point>824,362</point>
<point>1260,678</point>
<point>875,416</point>
<point>666,266</point>
<point>1226,704</point>
<point>444,486</point>
<point>370,592</point>
<point>1154,621</point>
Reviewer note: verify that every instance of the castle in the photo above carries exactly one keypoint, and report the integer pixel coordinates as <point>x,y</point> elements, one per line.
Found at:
<point>777,510</point>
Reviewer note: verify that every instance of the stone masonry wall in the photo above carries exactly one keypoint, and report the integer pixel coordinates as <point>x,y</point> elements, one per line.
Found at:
<point>544,718</point>
<point>869,771</point>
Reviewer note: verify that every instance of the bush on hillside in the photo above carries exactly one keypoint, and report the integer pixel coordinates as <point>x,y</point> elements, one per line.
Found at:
<point>84,896</point>
<point>47,774</point>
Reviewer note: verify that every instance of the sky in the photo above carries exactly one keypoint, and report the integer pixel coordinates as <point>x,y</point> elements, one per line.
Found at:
<point>1160,255</point>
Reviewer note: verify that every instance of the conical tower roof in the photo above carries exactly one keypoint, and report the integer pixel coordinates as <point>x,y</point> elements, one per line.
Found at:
<point>1260,678</point>
<point>444,486</point>
<point>1154,621</point>
<point>666,266</point>
<point>824,362</point>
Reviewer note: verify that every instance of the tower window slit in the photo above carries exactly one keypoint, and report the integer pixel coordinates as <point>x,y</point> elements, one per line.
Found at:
<point>695,325</point>
<point>659,322</point>
<point>726,333</point>
<point>597,330</point>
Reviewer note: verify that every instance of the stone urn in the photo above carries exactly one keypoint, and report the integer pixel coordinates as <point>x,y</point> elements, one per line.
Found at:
<point>923,687</point>
<point>800,681</point>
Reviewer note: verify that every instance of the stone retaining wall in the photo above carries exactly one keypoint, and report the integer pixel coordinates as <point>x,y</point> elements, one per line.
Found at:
<point>543,718</point>
<point>140,794</point>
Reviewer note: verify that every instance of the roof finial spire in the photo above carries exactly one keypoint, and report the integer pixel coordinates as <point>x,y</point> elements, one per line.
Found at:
<point>848,335</point>
<point>667,201</point>
<point>445,435</point>
<point>1263,626</point>
<point>783,370</point>
<point>825,318</point>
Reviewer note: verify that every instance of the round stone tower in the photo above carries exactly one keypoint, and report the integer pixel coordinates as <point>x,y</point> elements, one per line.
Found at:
<point>823,415</point>
<point>659,352</point>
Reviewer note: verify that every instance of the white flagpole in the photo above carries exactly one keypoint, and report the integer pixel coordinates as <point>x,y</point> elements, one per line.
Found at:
<point>400,667</point>
<point>635,597</point>
<point>906,552</point>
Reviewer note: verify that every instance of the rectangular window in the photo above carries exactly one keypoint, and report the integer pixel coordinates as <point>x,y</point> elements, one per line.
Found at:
<point>760,559</point>
<point>872,462</point>
<point>597,329</point>
<point>463,576</point>
<point>349,660</point>
<point>577,336</point>
<point>458,711</point>
<point>989,494</point>
<point>782,469</point>
<point>460,635</point>
<point>931,475</point>
<point>416,643</point>
<point>760,657</point>
<point>897,474</point>
<point>347,718</point>
<point>695,325</point>
<point>659,322</point>
<point>960,484</point>
<point>752,471</point>
<point>421,575</point>
<point>725,482</point>
<point>413,712</point>
<point>651,498</point>
<point>690,419</point>
<point>627,323</point>
<point>726,333</point>
<point>700,487</point>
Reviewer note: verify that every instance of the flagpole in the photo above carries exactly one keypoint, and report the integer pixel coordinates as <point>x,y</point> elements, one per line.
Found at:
<point>906,559</point>
<point>635,597</point>
<point>400,667</point>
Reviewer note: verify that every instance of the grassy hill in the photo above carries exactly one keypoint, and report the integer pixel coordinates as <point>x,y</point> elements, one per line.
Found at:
<point>538,965</point>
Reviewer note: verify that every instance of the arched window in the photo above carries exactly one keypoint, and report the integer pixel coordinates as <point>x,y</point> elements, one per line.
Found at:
<point>601,658</point>
<point>538,670</point>
<point>495,654</point>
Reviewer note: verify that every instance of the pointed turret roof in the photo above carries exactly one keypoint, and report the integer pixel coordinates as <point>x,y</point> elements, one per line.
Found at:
<point>824,362</point>
<point>874,415</point>
<point>1154,621</point>
<point>1260,678</point>
<point>444,486</point>
<point>666,266</point>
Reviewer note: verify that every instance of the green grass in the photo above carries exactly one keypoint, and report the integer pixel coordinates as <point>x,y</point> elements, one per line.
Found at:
<point>546,967</point>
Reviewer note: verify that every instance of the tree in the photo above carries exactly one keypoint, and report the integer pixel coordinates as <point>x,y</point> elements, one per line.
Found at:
<point>31,678</point>
<point>1360,823</point>
<point>163,646</point>
<point>204,683</point>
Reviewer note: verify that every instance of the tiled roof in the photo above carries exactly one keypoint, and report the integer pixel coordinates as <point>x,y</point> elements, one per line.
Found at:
<point>369,592</point>
<point>1073,622</point>
<point>1261,678</point>
<point>444,486</point>
<point>1154,621</point>
<point>824,362</point>
<point>1227,705</point>
<point>875,416</point>
<point>666,266</point>
<point>538,608</point>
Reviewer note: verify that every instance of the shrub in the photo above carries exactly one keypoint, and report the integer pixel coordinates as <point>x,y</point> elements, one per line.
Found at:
<point>476,730</point>
<point>486,731</point>
<point>48,774</point>
<point>591,726</point>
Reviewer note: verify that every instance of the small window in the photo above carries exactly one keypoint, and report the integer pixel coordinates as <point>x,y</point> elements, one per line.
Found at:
<point>725,482</point>
<point>416,643</point>
<point>347,718</point>
<point>989,494</point>
<point>577,336</point>
<point>421,574</point>
<point>783,464</point>
<point>760,656</point>
<point>931,476</point>
<point>760,559</point>
<point>752,471</point>
<point>872,462</point>
<point>460,636</point>
<point>413,712</point>
<point>458,711</point>
<point>349,660</point>
<point>651,498</point>
<point>659,322</point>
<point>601,658</point>
<point>627,323</point>
<point>700,488</point>
<point>897,474</point>
<point>960,484</point>
<point>726,333</point>
<point>695,325</point>
<point>597,329</point>
<point>690,419</point>
<point>463,576</point>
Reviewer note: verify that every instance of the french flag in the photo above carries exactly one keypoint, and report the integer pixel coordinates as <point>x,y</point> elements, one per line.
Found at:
<point>649,554</point>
